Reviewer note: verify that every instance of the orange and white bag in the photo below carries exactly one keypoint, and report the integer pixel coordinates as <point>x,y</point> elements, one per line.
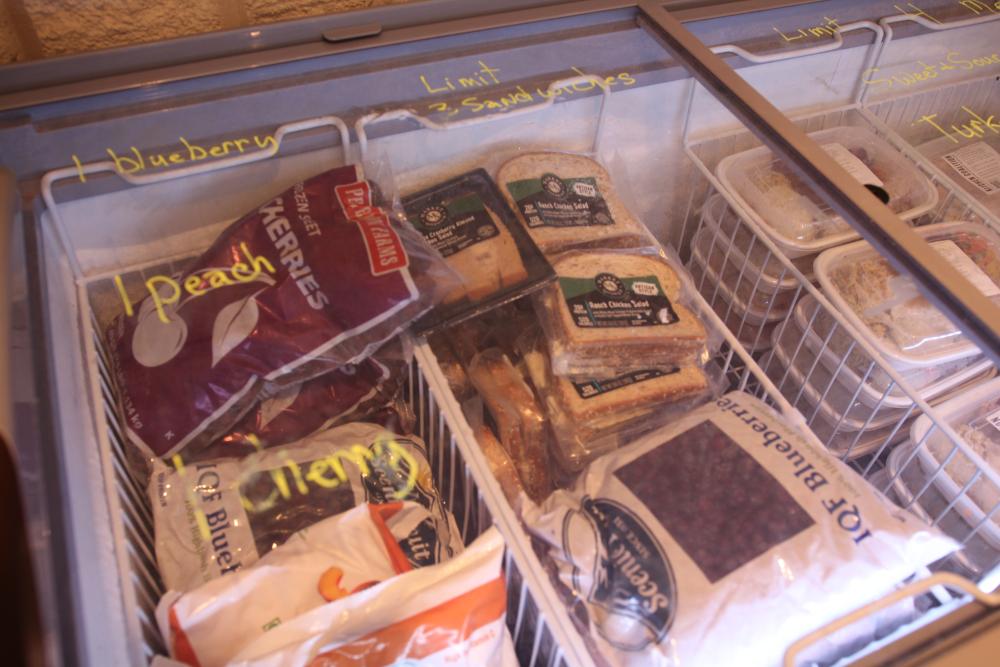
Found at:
<point>318,600</point>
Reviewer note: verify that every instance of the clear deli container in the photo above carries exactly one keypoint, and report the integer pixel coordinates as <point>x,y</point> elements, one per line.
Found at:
<point>729,228</point>
<point>754,336</point>
<point>741,279</point>
<point>973,164</point>
<point>975,416</point>
<point>836,403</point>
<point>840,440</point>
<point>888,308</point>
<point>799,222</point>
<point>930,382</point>
<point>979,553</point>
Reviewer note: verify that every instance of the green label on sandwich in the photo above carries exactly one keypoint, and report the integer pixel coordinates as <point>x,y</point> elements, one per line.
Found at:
<point>606,300</point>
<point>593,388</point>
<point>551,201</point>
<point>451,220</point>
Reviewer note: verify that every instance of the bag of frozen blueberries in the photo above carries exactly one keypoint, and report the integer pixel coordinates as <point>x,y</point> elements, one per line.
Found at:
<point>721,539</point>
<point>314,278</point>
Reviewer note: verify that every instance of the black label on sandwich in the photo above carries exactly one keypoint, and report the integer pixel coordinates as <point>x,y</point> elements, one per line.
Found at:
<point>551,201</point>
<point>607,300</point>
<point>454,219</point>
<point>593,388</point>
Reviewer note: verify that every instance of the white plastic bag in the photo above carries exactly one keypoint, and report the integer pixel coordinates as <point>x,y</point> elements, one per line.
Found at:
<point>721,539</point>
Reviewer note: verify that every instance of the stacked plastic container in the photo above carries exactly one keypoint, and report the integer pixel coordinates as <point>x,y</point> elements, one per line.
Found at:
<point>944,483</point>
<point>914,338</point>
<point>749,287</point>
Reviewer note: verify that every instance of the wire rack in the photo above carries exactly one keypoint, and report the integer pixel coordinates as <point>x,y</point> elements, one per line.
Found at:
<point>534,641</point>
<point>851,397</point>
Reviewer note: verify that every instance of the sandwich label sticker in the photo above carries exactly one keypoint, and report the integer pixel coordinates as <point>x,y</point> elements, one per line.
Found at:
<point>606,300</point>
<point>593,388</point>
<point>552,201</point>
<point>452,219</point>
<point>967,267</point>
<point>979,164</point>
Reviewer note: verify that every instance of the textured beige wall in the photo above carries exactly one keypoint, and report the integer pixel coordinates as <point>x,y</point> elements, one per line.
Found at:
<point>10,44</point>
<point>45,28</point>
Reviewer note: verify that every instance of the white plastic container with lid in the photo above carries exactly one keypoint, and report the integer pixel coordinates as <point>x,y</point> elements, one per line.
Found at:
<point>974,164</point>
<point>840,440</point>
<point>930,382</point>
<point>741,280</point>
<point>888,308</point>
<point>975,416</point>
<point>726,225</point>
<point>755,337</point>
<point>836,403</point>
<point>797,219</point>
<point>979,553</point>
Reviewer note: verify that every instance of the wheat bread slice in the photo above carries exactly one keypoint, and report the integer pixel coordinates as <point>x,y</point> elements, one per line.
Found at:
<point>596,351</point>
<point>624,231</point>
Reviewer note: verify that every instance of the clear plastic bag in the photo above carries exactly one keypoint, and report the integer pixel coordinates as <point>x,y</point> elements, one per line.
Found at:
<point>520,421</point>
<point>214,518</point>
<point>315,278</point>
<point>469,223</point>
<point>618,311</point>
<point>721,539</point>
<point>593,417</point>
<point>567,200</point>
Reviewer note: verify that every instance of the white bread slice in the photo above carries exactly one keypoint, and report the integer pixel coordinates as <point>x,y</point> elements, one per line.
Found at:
<point>626,231</point>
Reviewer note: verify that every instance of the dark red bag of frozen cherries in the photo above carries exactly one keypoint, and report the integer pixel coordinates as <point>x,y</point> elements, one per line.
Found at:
<point>311,280</point>
<point>369,391</point>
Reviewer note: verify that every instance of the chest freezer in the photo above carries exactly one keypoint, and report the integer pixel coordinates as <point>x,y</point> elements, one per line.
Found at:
<point>144,164</point>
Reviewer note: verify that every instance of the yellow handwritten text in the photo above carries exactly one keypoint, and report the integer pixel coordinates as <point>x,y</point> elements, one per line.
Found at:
<point>326,473</point>
<point>977,7</point>
<point>974,128</point>
<point>520,95</point>
<point>954,61</point>
<point>484,76</point>
<point>165,291</point>
<point>134,161</point>
<point>828,28</point>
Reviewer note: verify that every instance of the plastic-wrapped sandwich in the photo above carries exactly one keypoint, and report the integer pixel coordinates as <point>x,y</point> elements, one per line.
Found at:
<point>592,417</point>
<point>566,200</point>
<point>614,312</point>
<point>720,540</point>
<point>467,221</point>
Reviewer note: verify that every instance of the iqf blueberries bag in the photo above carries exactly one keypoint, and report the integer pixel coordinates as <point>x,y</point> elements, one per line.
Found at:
<point>314,278</point>
<point>214,518</point>
<point>720,540</point>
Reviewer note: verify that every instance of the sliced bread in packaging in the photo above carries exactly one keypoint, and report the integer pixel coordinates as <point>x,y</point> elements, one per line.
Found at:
<point>613,312</point>
<point>567,200</point>
<point>467,221</point>
<point>595,416</point>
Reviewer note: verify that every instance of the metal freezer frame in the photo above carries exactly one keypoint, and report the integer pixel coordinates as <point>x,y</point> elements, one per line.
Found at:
<point>844,195</point>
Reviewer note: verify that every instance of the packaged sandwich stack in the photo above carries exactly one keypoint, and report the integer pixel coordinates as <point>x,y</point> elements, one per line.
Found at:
<point>618,345</point>
<point>856,405</point>
<point>260,390</point>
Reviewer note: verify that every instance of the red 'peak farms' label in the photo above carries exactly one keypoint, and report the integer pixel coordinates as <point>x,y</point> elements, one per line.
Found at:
<point>385,251</point>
